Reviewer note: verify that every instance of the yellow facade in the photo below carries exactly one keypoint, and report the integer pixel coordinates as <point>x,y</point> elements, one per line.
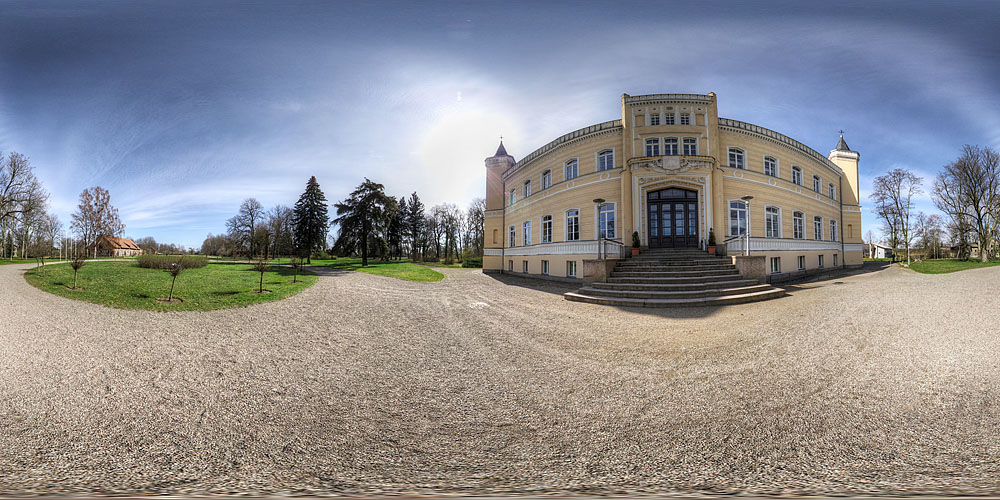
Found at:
<point>671,170</point>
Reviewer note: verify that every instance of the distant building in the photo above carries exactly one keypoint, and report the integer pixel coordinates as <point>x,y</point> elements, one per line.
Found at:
<point>876,251</point>
<point>111,246</point>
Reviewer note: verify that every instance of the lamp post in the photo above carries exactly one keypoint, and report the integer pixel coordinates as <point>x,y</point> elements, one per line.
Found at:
<point>600,236</point>
<point>746,199</point>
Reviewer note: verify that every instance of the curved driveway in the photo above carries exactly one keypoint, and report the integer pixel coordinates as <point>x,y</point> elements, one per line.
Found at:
<point>880,382</point>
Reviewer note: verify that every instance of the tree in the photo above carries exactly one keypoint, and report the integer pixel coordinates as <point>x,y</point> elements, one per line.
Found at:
<point>475,218</point>
<point>20,191</point>
<point>893,195</point>
<point>96,216</point>
<point>174,270</point>
<point>296,263</point>
<point>242,226</point>
<point>396,228</point>
<point>281,229</point>
<point>357,214</point>
<point>147,244</point>
<point>415,225</point>
<point>968,191</point>
<point>261,267</point>
<point>76,263</point>
<point>309,216</point>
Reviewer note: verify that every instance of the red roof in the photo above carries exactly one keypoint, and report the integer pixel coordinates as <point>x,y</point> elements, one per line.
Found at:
<point>115,243</point>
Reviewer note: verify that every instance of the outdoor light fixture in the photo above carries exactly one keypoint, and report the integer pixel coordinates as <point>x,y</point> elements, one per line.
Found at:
<point>746,199</point>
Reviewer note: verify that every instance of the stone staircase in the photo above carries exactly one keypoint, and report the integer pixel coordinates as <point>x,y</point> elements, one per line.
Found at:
<point>674,278</point>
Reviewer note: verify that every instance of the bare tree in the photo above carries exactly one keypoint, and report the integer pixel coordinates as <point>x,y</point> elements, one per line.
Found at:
<point>474,220</point>
<point>242,226</point>
<point>96,216</point>
<point>20,191</point>
<point>893,196</point>
<point>968,191</point>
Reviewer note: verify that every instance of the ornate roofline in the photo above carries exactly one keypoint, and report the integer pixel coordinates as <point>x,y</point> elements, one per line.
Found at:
<point>576,135</point>
<point>636,99</point>
<point>737,126</point>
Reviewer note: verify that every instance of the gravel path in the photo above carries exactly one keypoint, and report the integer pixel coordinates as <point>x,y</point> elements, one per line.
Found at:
<point>886,382</point>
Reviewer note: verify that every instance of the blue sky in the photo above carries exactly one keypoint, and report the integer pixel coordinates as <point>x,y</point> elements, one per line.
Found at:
<point>182,109</point>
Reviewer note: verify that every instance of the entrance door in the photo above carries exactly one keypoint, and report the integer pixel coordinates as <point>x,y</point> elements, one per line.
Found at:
<point>672,218</point>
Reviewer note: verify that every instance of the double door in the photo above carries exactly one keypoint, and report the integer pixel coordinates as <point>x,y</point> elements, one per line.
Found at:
<point>673,223</point>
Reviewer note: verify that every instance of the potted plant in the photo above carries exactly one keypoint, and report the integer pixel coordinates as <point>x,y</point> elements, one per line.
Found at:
<point>711,241</point>
<point>635,243</point>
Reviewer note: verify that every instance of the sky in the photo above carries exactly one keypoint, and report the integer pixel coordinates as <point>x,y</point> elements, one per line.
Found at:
<point>183,109</point>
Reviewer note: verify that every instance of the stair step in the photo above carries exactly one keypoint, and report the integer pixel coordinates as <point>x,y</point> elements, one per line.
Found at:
<point>674,286</point>
<point>696,267</point>
<point>679,302</point>
<point>671,280</point>
<point>685,262</point>
<point>669,274</point>
<point>676,294</point>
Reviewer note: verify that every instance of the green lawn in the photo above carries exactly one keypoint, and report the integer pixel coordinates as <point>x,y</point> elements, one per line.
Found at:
<point>949,265</point>
<point>403,270</point>
<point>4,262</point>
<point>124,285</point>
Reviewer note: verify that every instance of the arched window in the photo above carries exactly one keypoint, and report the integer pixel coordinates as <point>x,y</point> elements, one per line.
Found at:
<point>771,166</point>
<point>817,182</point>
<point>833,192</point>
<point>546,179</point>
<point>526,238</point>
<point>670,146</point>
<point>571,169</point>
<point>798,225</point>
<point>513,196</point>
<point>527,188</point>
<point>605,160</point>
<point>797,175</point>
<point>737,158</point>
<point>546,229</point>
<point>572,225</point>
<point>772,222</point>
<point>652,147</point>
<point>833,230</point>
<point>818,228</point>
<point>513,237</point>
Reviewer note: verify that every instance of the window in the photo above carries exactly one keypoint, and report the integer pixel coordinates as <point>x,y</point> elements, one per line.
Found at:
<point>654,119</point>
<point>526,238</point>
<point>772,222</point>
<point>571,269</point>
<point>546,179</point>
<point>802,262</point>
<point>685,118</point>
<point>817,182</point>
<point>652,147</point>
<point>571,169</point>
<point>820,261</point>
<point>797,175</point>
<point>524,266</point>
<point>605,160</point>
<point>545,267</point>
<point>833,231</point>
<point>607,221</point>
<point>690,146</point>
<point>798,225</point>
<point>833,192</point>
<point>737,218</point>
<point>771,166</point>
<point>736,158</point>
<point>513,237</point>
<point>668,118</point>
<point>818,228</point>
<point>547,229</point>
<point>513,196</point>
<point>572,225</point>
<point>834,260</point>
<point>527,188</point>
<point>670,146</point>
<point>775,265</point>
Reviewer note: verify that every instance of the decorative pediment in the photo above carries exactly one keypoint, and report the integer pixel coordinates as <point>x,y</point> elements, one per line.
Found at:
<point>669,164</point>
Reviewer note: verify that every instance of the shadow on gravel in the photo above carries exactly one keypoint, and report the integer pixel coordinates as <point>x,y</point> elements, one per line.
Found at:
<point>325,271</point>
<point>831,278</point>
<point>541,285</point>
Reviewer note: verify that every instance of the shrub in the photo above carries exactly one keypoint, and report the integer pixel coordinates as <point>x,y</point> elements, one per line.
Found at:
<point>473,262</point>
<point>166,262</point>
<point>431,259</point>
<point>321,255</point>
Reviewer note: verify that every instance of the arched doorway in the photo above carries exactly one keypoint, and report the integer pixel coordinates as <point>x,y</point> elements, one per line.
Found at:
<point>672,218</point>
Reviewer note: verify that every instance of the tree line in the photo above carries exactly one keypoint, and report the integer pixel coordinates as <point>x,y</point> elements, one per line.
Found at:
<point>369,224</point>
<point>966,190</point>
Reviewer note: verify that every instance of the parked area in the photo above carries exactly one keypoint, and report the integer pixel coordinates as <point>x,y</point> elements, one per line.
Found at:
<point>885,381</point>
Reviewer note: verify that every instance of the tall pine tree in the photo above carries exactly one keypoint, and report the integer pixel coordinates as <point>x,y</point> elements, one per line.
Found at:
<point>359,215</point>
<point>310,220</point>
<point>415,224</point>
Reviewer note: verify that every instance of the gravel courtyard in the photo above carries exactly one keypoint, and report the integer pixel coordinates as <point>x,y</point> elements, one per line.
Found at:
<point>882,382</point>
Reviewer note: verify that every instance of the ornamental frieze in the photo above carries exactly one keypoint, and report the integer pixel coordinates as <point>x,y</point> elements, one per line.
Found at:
<point>669,164</point>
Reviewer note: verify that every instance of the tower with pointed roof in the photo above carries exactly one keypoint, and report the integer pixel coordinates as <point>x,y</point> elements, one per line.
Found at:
<point>847,160</point>
<point>496,165</point>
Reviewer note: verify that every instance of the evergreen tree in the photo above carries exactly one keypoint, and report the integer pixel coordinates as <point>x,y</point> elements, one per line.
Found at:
<point>310,220</point>
<point>396,228</point>
<point>415,224</point>
<point>360,214</point>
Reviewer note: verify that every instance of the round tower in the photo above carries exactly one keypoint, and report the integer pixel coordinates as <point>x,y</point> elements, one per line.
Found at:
<point>847,160</point>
